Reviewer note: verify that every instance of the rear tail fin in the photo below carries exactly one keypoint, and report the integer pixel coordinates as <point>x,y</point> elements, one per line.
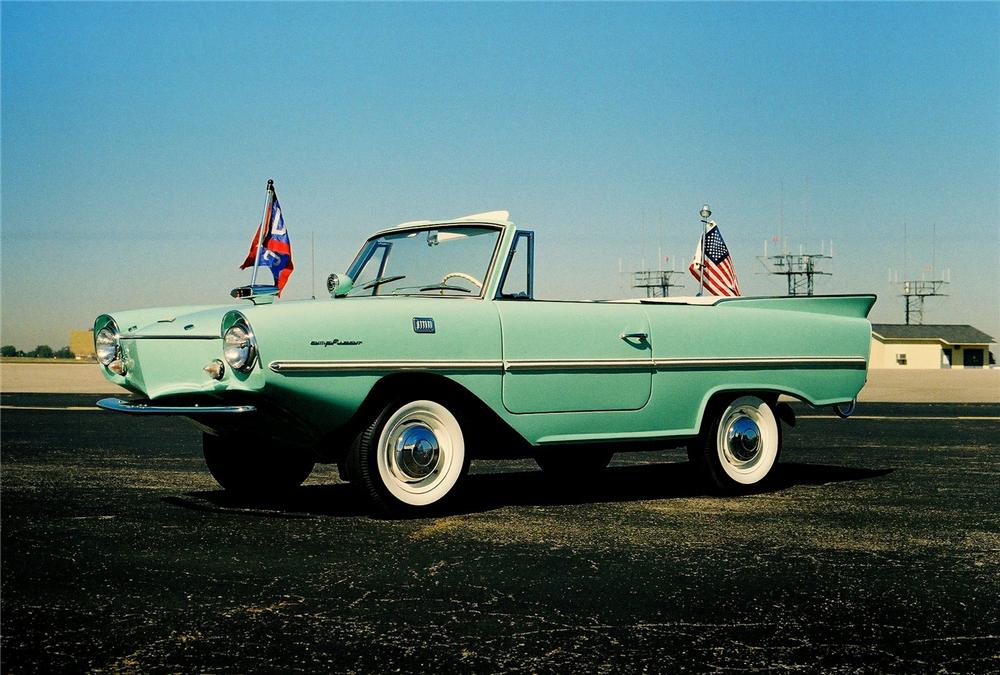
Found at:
<point>839,305</point>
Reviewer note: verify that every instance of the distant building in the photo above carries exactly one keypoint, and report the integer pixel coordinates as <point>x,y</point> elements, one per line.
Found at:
<point>897,345</point>
<point>81,343</point>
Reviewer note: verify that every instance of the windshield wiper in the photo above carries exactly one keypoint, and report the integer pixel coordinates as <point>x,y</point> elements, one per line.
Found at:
<point>382,280</point>
<point>444,287</point>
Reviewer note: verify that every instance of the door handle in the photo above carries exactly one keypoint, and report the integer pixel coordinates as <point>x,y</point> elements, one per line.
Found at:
<point>634,336</point>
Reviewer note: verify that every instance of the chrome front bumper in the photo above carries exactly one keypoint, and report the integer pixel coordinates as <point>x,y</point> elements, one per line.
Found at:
<point>146,408</point>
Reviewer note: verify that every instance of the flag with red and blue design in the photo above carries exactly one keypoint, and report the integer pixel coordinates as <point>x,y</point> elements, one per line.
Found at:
<point>276,251</point>
<point>712,264</point>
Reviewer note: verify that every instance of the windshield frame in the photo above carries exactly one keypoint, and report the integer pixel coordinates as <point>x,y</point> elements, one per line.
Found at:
<point>370,246</point>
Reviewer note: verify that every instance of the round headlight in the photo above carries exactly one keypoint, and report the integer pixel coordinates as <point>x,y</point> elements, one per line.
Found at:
<point>106,345</point>
<point>239,347</point>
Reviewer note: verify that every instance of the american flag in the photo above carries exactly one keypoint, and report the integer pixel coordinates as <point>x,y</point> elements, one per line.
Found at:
<point>276,252</point>
<point>720,276</point>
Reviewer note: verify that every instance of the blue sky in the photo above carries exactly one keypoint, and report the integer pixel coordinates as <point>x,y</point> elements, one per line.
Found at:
<point>137,140</point>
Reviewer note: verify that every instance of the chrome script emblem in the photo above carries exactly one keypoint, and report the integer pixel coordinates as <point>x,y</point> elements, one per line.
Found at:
<point>335,341</point>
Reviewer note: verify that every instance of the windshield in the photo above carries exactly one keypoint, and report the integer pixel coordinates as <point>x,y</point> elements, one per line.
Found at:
<point>449,261</point>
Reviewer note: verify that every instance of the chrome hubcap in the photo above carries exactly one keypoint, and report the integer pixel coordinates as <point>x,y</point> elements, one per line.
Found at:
<point>743,439</point>
<point>417,452</point>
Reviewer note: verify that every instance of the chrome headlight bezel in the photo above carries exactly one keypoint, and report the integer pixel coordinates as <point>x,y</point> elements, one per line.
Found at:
<point>107,344</point>
<point>239,346</point>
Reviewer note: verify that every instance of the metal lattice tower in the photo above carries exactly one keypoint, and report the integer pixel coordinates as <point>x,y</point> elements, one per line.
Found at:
<point>914,293</point>
<point>798,268</point>
<point>656,282</point>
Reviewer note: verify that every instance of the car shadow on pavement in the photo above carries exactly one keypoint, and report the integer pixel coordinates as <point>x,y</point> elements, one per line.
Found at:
<point>634,483</point>
<point>489,491</point>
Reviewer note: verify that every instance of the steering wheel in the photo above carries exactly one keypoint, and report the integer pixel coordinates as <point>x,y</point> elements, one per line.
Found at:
<point>461,275</point>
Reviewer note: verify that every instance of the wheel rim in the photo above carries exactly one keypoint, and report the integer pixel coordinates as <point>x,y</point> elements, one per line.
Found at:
<point>417,453</point>
<point>747,440</point>
<point>421,452</point>
<point>742,439</point>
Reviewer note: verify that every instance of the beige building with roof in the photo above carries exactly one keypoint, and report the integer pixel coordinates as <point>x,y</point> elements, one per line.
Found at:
<point>81,343</point>
<point>901,346</point>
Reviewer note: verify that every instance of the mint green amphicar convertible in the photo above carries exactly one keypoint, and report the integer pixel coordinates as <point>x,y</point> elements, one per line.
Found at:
<point>432,349</point>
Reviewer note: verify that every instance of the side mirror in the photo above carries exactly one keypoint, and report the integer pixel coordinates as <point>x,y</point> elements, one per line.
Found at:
<point>339,285</point>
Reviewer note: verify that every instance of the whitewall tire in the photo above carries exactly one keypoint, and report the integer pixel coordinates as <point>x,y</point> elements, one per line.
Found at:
<point>740,446</point>
<point>410,458</point>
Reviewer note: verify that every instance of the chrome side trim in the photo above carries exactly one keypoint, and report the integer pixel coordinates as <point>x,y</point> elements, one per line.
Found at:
<point>380,365</point>
<point>170,337</point>
<point>668,364</point>
<point>527,365</point>
<point>578,364</point>
<point>145,408</point>
<point>761,361</point>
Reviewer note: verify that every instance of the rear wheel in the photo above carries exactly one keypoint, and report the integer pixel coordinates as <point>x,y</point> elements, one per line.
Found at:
<point>410,458</point>
<point>248,465</point>
<point>740,445</point>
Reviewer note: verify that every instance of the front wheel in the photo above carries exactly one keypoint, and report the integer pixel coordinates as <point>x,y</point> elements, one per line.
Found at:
<point>740,445</point>
<point>249,466</point>
<point>410,458</point>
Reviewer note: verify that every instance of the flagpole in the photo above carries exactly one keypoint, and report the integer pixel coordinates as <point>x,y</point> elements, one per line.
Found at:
<point>705,213</point>
<point>701,263</point>
<point>260,231</point>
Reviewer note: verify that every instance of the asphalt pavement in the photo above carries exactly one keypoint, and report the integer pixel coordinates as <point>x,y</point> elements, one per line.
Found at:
<point>877,549</point>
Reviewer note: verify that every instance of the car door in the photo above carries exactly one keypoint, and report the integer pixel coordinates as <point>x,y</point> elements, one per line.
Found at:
<point>574,356</point>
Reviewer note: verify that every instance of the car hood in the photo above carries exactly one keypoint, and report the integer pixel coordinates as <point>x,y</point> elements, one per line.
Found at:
<point>181,321</point>
<point>185,320</point>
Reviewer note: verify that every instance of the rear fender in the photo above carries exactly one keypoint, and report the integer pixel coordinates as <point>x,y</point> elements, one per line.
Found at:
<point>720,399</point>
<point>852,306</point>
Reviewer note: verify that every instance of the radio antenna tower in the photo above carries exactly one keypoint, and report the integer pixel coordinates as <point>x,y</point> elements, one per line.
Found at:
<point>656,282</point>
<point>798,268</point>
<point>914,291</point>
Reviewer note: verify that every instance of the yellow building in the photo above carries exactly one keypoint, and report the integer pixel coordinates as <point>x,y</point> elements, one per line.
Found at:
<point>929,346</point>
<point>81,343</point>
